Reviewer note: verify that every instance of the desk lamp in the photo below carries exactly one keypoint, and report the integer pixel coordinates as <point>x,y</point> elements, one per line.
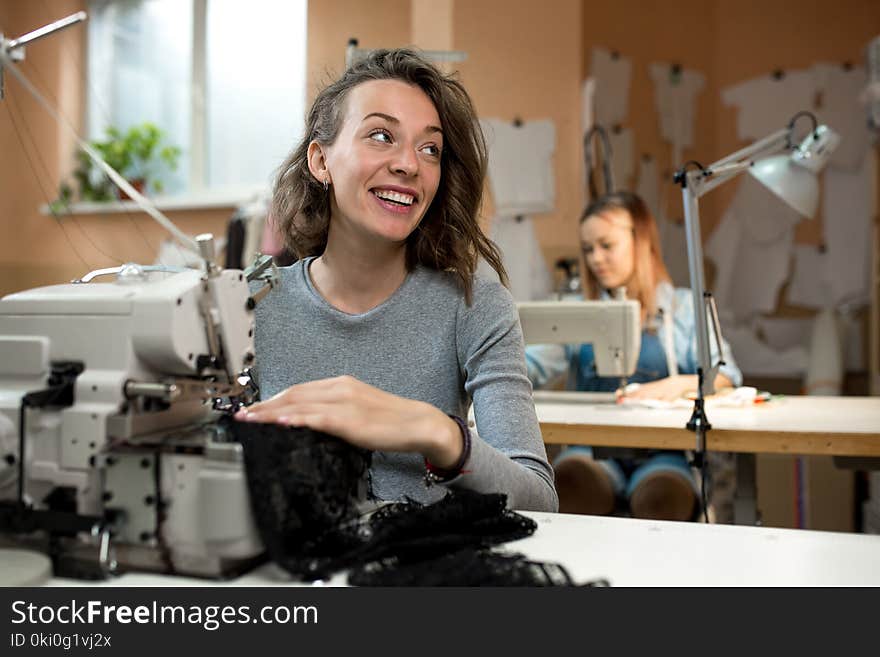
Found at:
<point>790,172</point>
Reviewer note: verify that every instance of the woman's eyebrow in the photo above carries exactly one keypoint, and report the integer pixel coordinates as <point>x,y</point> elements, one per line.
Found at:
<point>387,117</point>
<point>395,121</point>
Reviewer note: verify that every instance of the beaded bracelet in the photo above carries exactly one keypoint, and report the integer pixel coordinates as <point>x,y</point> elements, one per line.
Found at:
<point>435,475</point>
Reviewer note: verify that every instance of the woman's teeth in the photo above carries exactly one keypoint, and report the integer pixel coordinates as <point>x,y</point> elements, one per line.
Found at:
<point>394,197</point>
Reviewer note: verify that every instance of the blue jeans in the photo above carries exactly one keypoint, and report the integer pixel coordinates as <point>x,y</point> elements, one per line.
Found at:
<point>626,474</point>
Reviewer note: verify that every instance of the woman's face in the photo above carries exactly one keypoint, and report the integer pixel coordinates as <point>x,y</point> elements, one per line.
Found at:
<point>385,163</point>
<point>608,247</point>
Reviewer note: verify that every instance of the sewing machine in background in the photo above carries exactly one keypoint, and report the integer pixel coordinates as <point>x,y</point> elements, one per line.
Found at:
<point>111,448</point>
<point>611,326</point>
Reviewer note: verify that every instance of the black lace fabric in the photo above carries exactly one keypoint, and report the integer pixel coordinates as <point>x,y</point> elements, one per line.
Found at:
<point>302,484</point>
<point>307,492</point>
<point>467,567</point>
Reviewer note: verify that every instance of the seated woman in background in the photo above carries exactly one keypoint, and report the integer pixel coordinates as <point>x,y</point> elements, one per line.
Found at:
<point>621,248</point>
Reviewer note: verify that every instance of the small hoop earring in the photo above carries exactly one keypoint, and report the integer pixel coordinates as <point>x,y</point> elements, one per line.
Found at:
<point>326,184</point>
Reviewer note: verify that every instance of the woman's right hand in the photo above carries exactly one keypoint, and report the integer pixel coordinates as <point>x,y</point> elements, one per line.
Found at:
<point>364,416</point>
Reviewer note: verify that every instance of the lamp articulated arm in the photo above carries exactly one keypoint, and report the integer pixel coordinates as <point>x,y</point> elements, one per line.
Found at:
<point>696,181</point>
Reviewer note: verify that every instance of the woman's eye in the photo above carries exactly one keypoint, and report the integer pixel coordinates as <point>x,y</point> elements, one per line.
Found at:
<point>381,135</point>
<point>431,149</point>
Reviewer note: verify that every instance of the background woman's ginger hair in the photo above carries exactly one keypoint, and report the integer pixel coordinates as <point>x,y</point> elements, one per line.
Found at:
<point>648,267</point>
<point>449,237</point>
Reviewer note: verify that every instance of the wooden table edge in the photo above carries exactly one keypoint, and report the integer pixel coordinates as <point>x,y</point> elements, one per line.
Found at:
<point>718,440</point>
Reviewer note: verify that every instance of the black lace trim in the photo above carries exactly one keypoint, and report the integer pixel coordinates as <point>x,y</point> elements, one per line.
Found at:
<point>302,483</point>
<point>466,567</point>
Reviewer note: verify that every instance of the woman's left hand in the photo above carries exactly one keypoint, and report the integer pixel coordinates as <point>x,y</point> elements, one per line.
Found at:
<point>364,416</point>
<point>668,389</point>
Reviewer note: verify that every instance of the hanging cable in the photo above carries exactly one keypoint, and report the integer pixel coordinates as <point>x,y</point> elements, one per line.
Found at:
<point>85,83</point>
<point>42,191</point>
<point>123,184</point>
<point>45,193</point>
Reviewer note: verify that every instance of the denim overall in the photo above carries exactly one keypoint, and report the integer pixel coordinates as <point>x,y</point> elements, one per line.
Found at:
<point>650,366</point>
<point>626,474</point>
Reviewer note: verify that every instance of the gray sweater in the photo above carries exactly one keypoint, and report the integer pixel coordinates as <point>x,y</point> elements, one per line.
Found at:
<point>424,343</point>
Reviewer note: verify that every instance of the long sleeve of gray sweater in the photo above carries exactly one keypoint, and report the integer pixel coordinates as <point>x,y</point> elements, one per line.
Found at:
<point>423,343</point>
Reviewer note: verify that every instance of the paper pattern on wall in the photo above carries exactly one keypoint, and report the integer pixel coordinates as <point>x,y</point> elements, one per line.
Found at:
<point>757,358</point>
<point>613,76</point>
<point>841,108</point>
<point>810,285</point>
<point>849,204</point>
<point>648,185</point>
<point>520,166</point>
<point>766,104</point>
<point>781,333</point>
<point>675,94</point>
<point>751,262</point>
<point>530,279</point>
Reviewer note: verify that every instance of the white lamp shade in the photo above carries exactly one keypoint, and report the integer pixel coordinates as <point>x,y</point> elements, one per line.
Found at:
<point>796,185</point>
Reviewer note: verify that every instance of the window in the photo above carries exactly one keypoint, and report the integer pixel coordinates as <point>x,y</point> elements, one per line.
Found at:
<point>224,79</point>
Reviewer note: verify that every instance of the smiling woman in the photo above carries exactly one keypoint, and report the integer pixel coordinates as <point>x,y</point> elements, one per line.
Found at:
<point>381,334</point>
<point>385,164</point>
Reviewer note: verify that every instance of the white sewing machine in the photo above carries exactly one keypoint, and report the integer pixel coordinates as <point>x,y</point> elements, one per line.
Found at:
<point>117,386</point>
<point>611,326</point>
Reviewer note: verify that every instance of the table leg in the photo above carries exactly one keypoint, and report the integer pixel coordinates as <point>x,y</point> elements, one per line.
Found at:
<point>745,501</point>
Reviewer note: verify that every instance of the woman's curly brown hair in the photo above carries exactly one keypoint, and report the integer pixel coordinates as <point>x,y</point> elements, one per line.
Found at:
<point>449,237</point>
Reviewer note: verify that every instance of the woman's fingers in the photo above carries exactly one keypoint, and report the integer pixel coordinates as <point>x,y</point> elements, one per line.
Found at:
<point>352,410</point>
<point>320,417</point>
<point>338,388</point>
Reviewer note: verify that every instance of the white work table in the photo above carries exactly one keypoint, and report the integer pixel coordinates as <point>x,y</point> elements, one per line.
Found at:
<point>630,552</point>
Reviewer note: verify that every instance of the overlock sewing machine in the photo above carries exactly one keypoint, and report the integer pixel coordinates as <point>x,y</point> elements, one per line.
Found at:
<point>112,449</point>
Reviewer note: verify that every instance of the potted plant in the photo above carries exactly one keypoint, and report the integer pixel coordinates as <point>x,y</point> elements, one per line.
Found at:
<point>138,154</point>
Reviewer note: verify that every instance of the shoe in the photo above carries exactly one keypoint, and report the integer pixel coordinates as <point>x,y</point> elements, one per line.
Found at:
<point>663,495</point>
<point>583,486</point>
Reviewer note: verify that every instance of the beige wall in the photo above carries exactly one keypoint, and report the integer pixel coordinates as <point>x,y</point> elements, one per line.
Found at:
<point>674,31</point>
<point>375,24</point>
<point>525,61</point>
